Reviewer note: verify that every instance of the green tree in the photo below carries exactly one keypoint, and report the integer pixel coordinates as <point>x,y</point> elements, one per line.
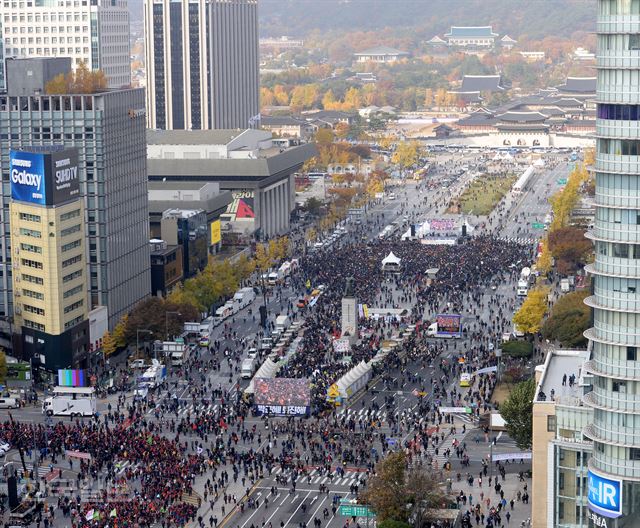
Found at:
<point>517,412</point>
<point>569,319</point>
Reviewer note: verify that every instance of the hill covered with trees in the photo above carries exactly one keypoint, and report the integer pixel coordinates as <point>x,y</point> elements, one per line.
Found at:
<point>534,19</point>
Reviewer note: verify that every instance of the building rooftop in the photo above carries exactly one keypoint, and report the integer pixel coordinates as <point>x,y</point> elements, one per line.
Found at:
<point>558,363</point>
<point>522,117</point>
<point>471,31</point>
<point>381,50</point>
<point>481,83</point>
<point>581,85</point>
<point>194,137</point>
<point>266,120</point>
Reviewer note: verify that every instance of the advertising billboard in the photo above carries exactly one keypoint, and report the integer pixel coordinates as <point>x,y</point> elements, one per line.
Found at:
<point>216,232</point>
<point>28,182</point>
<point>449,325</point>
<point>604,495</point>
<point>71,378</point>
<point>44,178</point>
<point>282,396</point>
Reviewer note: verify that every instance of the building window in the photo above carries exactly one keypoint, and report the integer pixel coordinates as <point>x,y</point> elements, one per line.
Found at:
<point>632,353</point>
<point>71,261</point>
<point>634,453</point>
<point>31,263</point>
<point>33,294</point>
<point>73,306</point>
<point>30,233</point>
<point>34,325</point>
<point>620,386</point>
<point>73,322</point>
<point>31,248</point>
<point>70,230</point>
<point>72,276</point>
<point>72,291</point>
<point>71,214</point>
<point>33,309</point>
<point>29,217</point>
<point>551,424</point>
<point>71,245</point>
<point>32,279</point>
<point>561,480</point>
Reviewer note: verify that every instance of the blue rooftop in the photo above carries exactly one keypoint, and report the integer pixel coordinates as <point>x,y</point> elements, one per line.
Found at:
<point>476,31</point>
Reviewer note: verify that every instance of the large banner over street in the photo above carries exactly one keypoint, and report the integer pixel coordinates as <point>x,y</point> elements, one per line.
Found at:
<point>282,396</point>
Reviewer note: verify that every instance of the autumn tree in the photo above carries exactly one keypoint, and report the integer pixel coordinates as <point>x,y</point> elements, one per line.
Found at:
<point>568,321</point>
<point>529,317</point>
<point>544,261</point>
<point>571,249</point>
<point>80,81</point>
<point>108,344</point>
<point>517,412</point>
<point>396,494</point>
<point>407,154</point>
<point>120,332</point>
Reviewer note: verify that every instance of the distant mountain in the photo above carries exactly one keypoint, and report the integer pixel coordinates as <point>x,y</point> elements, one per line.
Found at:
<point>519,18</point>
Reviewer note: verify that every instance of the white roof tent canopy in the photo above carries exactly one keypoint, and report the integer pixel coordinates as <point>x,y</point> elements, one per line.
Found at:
<point>391,259</point>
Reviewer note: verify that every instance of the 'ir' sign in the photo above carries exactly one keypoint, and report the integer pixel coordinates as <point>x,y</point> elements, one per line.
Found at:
<point>605,495</point>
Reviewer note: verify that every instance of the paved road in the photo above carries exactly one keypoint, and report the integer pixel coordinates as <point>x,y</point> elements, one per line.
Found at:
<point>391,403</point>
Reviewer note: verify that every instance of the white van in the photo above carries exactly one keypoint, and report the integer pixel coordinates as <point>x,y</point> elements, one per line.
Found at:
<point>8,403</point>
<point>248,368</point>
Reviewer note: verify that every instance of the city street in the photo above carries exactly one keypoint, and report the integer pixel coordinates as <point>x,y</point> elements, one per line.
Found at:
<point>295,471</point>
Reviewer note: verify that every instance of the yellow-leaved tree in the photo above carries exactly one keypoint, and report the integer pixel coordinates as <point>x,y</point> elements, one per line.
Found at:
<point>530,315</point>
<point>544,261</point>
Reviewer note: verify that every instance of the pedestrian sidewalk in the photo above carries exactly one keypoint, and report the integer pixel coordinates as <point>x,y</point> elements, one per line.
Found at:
<point>480,494</point>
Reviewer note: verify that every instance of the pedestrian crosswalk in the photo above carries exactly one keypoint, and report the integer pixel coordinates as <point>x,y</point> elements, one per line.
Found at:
<point>525,241</point>
<point>197,408</point>
<point>362,414</point>
<point>315,476</point>
<point>42,470</point>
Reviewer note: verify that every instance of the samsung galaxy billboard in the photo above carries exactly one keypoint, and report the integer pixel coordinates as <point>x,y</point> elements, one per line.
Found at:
<point>44,178</point>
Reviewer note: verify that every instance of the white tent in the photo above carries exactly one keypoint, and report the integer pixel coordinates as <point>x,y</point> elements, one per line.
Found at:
<point>268,369</point>
<point>391,259</point>
<point>354,380</point>
<point>391,263</point>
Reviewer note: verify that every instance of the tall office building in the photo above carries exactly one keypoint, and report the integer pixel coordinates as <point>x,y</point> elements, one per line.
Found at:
<point>202,63</point>
<point>95,32</point>
<point>614,468</point>
<point>49,258</point>
<point>108,128</point>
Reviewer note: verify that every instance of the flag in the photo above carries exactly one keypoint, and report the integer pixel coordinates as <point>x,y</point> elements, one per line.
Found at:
<point>90,513</point>
<point>113,513</point>
<point>150,440</point>
<point>415,392</point>
<point>96,515</point>
<point>308,284</point>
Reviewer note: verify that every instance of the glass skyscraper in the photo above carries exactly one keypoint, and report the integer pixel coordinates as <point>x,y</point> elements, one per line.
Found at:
<point>614,468</point>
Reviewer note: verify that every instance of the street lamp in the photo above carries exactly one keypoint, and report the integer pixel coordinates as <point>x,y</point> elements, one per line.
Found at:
<point>166,322</point>
<point>138,331</point>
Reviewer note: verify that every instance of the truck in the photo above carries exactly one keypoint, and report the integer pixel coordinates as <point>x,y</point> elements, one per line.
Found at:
<point>446,325</point>
<point>282,323</point>
<point>171,347</point>
<point>248,368</point>
<point>178,357</point>
<point>565,287</point>
<point>243,298</point>
<point>70,401</point>
<point>154,375</point>
<point>523,288</point>
<point>223,313</point>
